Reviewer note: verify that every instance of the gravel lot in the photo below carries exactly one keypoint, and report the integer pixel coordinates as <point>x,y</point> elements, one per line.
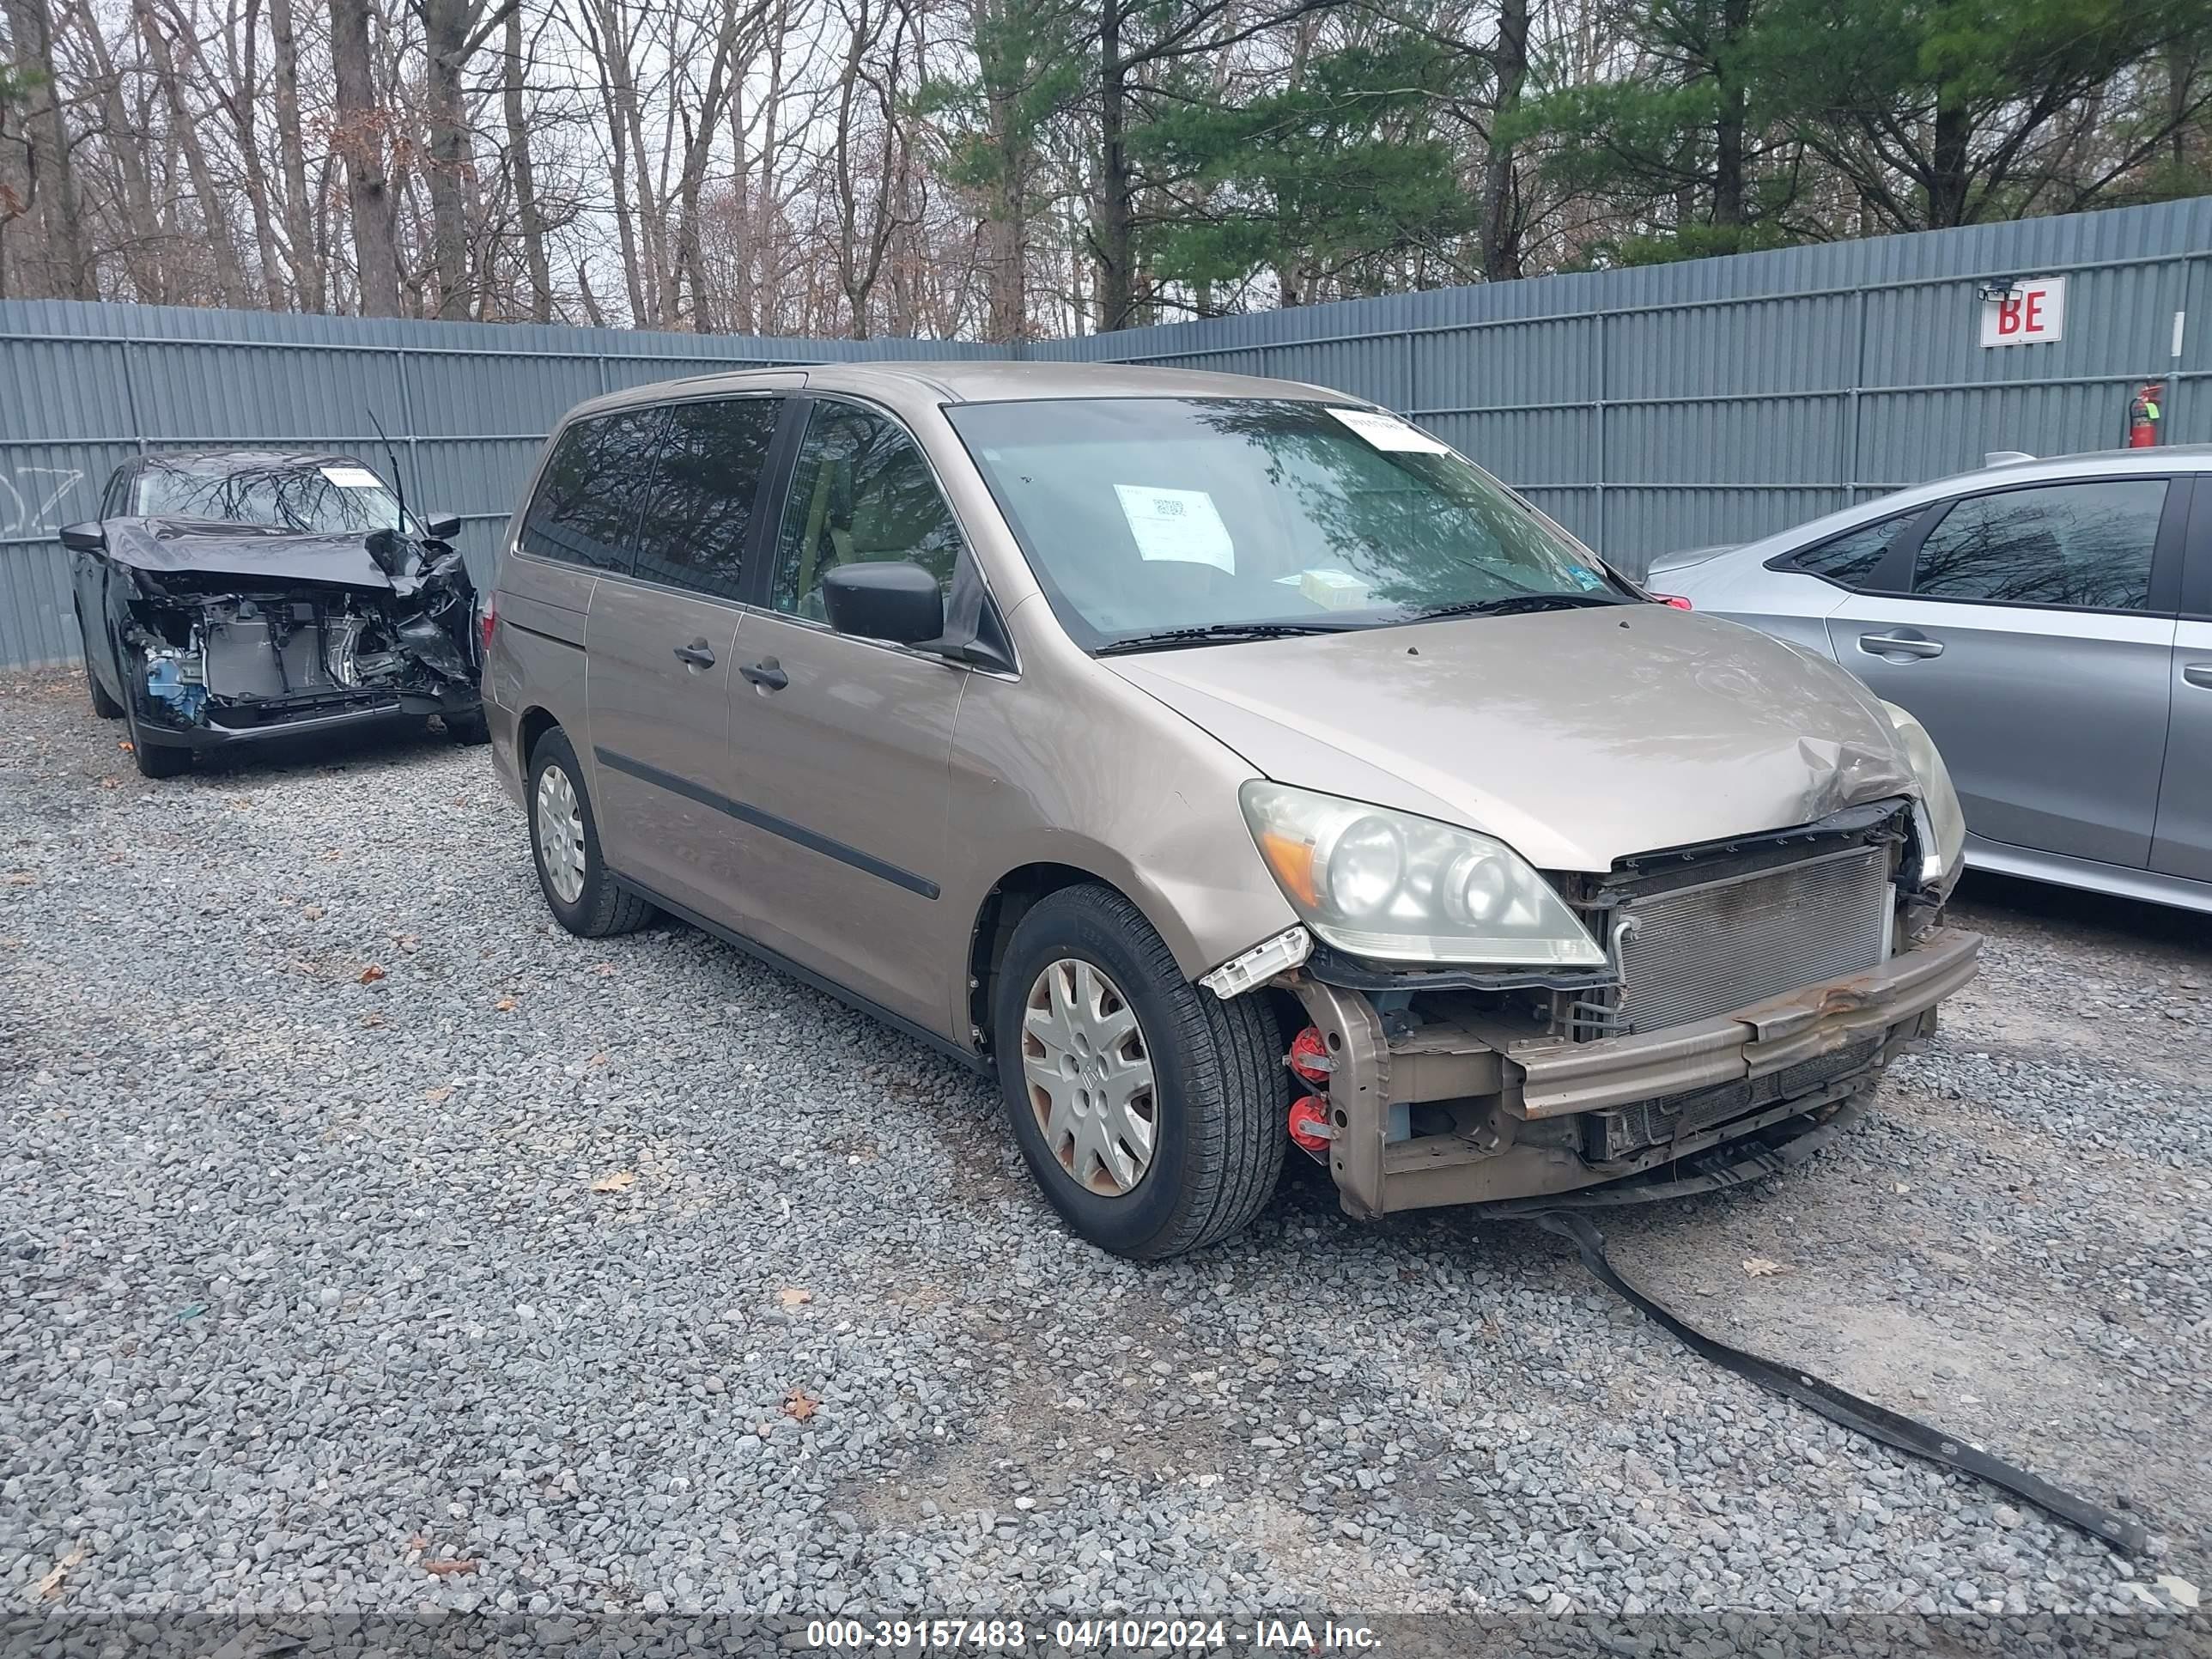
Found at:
<point>355,1223</point>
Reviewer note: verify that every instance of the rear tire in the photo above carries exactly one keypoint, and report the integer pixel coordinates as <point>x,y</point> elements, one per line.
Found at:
<point>103,705</point>
<point>1217,1090</point>
<point>564,846</point>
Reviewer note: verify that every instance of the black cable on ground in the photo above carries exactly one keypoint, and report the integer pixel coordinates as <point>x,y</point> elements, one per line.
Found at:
<point>1875,1422</point>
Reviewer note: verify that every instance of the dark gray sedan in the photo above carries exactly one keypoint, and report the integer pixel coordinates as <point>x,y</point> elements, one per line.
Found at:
<point>230,596</point>
<point>2049,622</point>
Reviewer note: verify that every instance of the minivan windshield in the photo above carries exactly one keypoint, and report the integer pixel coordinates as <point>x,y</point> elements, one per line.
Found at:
<point>1154,521</point>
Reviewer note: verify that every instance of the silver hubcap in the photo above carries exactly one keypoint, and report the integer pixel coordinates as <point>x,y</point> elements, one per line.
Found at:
<point>559,835</point>
<point>1089,1077</point>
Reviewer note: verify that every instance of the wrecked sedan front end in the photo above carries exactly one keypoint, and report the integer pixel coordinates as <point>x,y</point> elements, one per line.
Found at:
<point>225,632</point>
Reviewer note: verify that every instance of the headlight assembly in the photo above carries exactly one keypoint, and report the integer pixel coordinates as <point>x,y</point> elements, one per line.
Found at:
<point>1942,823</point>
<point>1394,887</point>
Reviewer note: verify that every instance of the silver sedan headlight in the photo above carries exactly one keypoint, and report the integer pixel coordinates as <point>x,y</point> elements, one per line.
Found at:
<point>1941,821</point>
<point>1398,888</point>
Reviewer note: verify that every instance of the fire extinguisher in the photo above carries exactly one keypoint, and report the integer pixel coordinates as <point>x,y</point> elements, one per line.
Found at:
<point>2143,416</point>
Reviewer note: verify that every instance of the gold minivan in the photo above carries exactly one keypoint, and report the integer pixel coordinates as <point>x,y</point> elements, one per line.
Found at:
<point>1229,768</point>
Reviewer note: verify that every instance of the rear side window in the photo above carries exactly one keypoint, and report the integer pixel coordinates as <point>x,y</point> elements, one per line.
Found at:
<point>860,491</point>
<point>584,510</point>
<point>2084,546</point>
<point>1851,559</point>
<point>692,533</point>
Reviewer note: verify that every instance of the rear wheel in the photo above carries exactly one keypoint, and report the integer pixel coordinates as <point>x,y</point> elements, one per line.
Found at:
<point>103,705</point>
<point>564,843</point>
<point>1149,1111</point>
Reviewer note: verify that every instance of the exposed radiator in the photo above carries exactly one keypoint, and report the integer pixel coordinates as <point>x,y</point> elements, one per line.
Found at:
<point>1697,951</point>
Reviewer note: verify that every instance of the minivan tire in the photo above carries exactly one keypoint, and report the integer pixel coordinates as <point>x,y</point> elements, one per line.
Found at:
<point>602,906</point>
<point>1219,1087</point>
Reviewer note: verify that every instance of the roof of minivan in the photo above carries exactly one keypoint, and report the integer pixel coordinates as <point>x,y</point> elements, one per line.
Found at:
<point>979,381</point>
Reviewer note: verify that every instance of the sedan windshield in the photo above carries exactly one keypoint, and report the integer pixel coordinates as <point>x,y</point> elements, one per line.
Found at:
<point>1166,522</point>
<point>333,499</point>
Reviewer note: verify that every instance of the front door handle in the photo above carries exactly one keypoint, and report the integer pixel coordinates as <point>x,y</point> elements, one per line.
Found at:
<point>2198,673</point>
<point>698,653</point>
<point>1899,645</point>
<point>766,674</point>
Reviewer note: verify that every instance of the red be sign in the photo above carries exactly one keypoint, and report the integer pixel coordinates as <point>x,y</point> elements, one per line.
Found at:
<point>2035,311</point>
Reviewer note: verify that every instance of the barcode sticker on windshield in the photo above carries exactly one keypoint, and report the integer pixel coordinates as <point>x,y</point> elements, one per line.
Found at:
<point>353,477</point>
<point>1388,432</point>
<point>1181,526</point>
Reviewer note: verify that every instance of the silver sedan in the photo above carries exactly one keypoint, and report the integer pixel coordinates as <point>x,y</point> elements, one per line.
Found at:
<point>2051,624</point>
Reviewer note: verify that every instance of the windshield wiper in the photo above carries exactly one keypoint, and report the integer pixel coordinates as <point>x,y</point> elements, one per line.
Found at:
<point>1513,605</point>
<point>1218,634</point>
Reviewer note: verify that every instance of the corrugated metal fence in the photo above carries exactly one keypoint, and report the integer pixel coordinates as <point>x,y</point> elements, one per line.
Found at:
<point>1650,409</point>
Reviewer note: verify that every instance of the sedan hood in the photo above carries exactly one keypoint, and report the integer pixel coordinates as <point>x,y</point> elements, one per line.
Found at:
<point>1575,737</point>
<point>244,552</point>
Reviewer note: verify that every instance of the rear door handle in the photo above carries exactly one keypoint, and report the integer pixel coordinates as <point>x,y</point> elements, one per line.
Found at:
<point>766,674</point>
<point>1899,645</point>
<point>2198,673</point>
<point>698,653</point>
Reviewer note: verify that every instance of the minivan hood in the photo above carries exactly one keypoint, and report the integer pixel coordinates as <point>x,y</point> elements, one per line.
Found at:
<point>1575,737</point>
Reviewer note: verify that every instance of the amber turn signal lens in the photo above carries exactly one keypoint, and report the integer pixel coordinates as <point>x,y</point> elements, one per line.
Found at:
<point>1292,861</point>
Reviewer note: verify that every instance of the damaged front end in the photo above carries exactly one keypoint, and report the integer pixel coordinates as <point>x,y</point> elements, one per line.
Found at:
<point>278,642</point>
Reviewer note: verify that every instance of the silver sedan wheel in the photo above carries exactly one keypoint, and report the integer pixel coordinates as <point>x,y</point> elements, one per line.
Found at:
<point>1090,1076</point>
<point>561,835</point>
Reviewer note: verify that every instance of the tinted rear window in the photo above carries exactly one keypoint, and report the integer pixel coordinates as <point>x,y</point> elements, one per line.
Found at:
<point>585,508</point>
<point>692,533</point>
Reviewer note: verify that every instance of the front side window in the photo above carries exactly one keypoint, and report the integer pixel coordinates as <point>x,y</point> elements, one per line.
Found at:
<point>860,490</point>
<point>691,533</point>
<point>1148,515</point>
<point>332,498</point>
<point>585,511</point>
<point>1851,559</point>
<point>2083,545</point>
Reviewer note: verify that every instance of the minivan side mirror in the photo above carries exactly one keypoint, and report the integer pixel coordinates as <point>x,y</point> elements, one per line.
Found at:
<point>893,599</point>
<point>88,538</point>
<point>443,526</point>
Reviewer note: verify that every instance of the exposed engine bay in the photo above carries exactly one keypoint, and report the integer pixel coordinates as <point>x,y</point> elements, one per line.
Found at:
<point>386,621</point>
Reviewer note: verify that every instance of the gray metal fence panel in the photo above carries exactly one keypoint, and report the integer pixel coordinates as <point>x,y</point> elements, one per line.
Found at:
<point>1661,407</point>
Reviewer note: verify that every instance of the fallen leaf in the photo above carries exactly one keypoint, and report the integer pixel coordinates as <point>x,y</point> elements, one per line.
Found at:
<point>597,1060</point>
<point>604,969</point>
<point>620,1182</point>
<point>111,783</point>
<point>1760,1268</point>
<point>372,1019</point>
<point>418,1542</point>
<point>124,745</point>
<point>800,1404</point>
<point>51,1583</point>
<point>505,1004</point>
<point>434,1095</point>
<point>448,1569</point>
<point>313,912</point>
<point>792,1296</point>
<point>370,974</point>
<point>21,878</point>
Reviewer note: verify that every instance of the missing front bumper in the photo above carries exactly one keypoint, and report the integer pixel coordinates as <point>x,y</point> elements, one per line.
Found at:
<point>1529,1112</point>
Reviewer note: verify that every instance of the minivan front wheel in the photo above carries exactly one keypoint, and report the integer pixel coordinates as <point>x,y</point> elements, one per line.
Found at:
<point>1149,1111</point>
<point>564,845</point>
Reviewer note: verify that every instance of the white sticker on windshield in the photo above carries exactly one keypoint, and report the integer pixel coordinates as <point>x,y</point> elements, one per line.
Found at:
<point>1388,432</point>
<point>1180,525</point>
<point>353,477</point>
